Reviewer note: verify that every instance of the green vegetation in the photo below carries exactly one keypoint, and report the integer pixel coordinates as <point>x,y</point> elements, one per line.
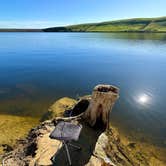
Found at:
<point>127,25</point>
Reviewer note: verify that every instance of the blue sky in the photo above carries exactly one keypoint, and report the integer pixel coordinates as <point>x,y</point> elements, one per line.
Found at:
<point>46,13</point>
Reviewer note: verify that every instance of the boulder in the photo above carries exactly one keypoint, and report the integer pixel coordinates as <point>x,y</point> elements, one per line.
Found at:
<point>58,108</point>
<point>46,148</point>
<point>94,161</point>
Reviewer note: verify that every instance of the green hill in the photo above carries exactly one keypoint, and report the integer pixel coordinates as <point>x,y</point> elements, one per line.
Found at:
<point>127,25</point>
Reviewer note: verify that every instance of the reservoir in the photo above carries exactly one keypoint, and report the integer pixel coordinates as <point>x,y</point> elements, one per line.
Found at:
<point>36,69</point>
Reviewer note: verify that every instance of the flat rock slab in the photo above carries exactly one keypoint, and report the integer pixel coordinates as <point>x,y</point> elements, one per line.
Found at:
<point>47,147</point>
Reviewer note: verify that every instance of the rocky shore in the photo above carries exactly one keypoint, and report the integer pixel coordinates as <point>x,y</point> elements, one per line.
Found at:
<point>99,148</point>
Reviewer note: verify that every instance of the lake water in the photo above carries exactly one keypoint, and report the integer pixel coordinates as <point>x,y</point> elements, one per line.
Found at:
<point>38,68</point>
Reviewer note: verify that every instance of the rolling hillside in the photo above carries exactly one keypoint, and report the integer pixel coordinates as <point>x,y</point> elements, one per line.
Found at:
<point>127,25</point>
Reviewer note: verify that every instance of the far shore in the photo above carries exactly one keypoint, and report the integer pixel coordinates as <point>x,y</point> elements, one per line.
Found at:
<point>21,30</point>
<point>132,25</point>
<point>42,30</point>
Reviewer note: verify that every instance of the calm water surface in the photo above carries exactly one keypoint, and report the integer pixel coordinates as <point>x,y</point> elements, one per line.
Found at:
<point>38,68</point>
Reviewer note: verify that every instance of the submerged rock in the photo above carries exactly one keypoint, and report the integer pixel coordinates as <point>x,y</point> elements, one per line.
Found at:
<point>58,108</point>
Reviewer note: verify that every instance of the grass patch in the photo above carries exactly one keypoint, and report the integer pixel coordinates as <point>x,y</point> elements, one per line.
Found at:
<point>127,25</point>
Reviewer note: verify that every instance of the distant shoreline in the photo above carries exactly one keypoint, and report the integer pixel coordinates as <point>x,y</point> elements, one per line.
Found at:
<point>134,25</point>
<point>20,30</point>
<point>42,31</point>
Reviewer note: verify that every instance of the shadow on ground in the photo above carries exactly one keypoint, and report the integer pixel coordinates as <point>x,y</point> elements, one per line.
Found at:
<point>87,142</point>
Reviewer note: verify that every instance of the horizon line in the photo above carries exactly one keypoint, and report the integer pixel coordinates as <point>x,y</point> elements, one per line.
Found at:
<point>71,24</point>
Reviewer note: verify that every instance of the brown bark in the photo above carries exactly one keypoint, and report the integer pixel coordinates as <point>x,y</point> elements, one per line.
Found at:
<point>103,99</point>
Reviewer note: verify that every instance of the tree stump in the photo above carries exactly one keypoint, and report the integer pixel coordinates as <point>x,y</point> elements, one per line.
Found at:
<point>103,99</point>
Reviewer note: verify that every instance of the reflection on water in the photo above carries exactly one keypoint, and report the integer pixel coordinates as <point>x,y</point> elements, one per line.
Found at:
<point>138,36</point>
<point>38,68</point>
<point>144,99</point>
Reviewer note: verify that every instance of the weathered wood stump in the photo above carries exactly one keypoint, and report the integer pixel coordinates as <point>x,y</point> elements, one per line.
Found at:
<point>103,99</point>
